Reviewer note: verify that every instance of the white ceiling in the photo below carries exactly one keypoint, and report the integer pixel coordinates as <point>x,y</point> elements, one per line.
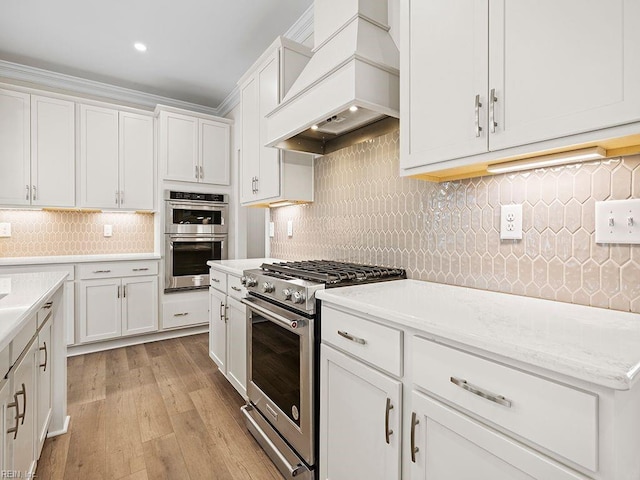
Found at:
<point>197,49</point>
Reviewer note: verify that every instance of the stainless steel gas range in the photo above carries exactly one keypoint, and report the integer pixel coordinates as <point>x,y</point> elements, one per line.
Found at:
<point>283,334</point>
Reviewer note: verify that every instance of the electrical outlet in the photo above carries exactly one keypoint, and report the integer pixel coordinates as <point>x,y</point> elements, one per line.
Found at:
<point>5,229</point>
<point>618,221</point>
<point>511,222</point>
<point>290,228</point>
<point>108,230</point>
<point>272,230</point>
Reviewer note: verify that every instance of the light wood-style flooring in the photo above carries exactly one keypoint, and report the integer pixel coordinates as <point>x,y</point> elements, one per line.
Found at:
<point>160,410</point>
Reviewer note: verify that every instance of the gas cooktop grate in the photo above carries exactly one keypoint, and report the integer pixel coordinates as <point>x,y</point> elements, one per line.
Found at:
<point>333,273</point>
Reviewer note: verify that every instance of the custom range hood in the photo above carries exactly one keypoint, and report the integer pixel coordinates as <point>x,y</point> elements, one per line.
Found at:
<point>349,90</point>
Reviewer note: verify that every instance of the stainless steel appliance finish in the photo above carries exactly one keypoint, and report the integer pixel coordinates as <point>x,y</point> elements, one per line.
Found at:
<point>195,213</point>
<point>195,232</point>
<point>283,333</point>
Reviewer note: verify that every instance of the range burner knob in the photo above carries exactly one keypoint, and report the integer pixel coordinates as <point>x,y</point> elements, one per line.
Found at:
<point>267,287</point>
<point>298,297</point>
<point>286,293</point>
<point>250,282</point>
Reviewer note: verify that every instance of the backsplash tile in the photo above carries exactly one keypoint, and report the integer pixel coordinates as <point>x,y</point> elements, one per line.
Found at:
<point>38,233</point>
<point>449,232</point>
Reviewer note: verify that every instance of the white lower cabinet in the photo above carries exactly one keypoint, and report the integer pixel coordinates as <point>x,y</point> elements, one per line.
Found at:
<point>447,444</point>
<point>43,382</point>
<point>360,419</point>
<point>185,309</point>
<point>6,422</point>
<point>228,328</point>
<point>121,301</point>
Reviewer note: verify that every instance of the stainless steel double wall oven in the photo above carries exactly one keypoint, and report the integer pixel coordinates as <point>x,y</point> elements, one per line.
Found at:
<point>195,232</point>
<point>283,334</point>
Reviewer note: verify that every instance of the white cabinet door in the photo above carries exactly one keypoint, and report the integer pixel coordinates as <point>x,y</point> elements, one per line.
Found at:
<point>139,305</point>
<point>218,329</point>
<point>43,369</point>
<point>237,345</point>
<point>444,81</point>
<point>137,177</point>
<point>23,447</point>
<point>554,76</point>
<point>448,445</point>
<point>100,309</point>
<point>250,151</point>
<point>268,78</point>
<point>214,152</point>
<point>179,146</point>
<point>7,421</point>
<point>98,157</point>
<point>52,152</point>
<point>358,406</point>
<point>15,155</point>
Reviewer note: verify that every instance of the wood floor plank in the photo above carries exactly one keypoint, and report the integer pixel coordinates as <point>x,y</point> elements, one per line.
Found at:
<point>153,418</point>
<point>53,458</point>
<point>117,372</point>
<point>185,367</point>
<point>174,393</point>
<point>139,475</point>
<point>123,439</point>
<point>137,356</point>
<point>87,382</point>
<point>155,349</point>
<point>163,459</point>
<point>86,454</point>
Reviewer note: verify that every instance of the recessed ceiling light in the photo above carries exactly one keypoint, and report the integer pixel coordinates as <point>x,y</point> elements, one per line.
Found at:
<point>314,127</point>
<point>353,108</point>
<point>141,47</point>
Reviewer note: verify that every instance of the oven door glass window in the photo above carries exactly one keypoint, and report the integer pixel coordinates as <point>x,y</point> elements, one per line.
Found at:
<point>191,257</point>
<point>275,364</point>
<point>186,216</point>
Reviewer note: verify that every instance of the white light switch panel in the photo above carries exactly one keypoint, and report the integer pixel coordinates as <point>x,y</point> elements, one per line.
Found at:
<point>511,222</point>
<point>272,229</point>
<point>5,229</point>
<point>618,221</point>
<point>290,228</point>
<point>108,230</point>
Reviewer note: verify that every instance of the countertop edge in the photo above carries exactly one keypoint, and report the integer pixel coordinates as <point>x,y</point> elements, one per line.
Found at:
<point>65,259</point>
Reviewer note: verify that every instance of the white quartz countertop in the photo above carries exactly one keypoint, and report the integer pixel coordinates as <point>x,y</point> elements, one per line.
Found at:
<point>26,294</point>
<point>62,259</point>
<point>592,344</point>
<point>236,267</point>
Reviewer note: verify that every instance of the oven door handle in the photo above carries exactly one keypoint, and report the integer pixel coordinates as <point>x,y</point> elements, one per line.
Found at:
<point>292,325</point>
<point>198,206</point>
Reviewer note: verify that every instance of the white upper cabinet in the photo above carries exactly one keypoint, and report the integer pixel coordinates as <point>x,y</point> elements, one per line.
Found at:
<point>268,174</point>
<point>37,150</point>
<point>116,159</point>
<point>490,79</point>
<point>194,148</point>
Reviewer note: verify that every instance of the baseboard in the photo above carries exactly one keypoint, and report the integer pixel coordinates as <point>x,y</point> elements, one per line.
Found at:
<point>74,350</point>
<point>62,431</point>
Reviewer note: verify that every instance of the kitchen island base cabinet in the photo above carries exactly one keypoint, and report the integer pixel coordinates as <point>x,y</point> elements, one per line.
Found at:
<point>446,444</point>
<point>360,420</point>
<point>218,329</point>
<point>237,345</point>
<point>43,379</point>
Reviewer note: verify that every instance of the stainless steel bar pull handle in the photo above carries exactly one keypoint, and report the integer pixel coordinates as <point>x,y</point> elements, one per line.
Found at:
<point>22,392</point>
<point>414,449</point>
<point>48,305</point>
<point>499,399</point>
<point>233,287</point>
<point>16,425</point>
<point>201,172</point>
<point>121,197</point>
<point>46,357</point>
<point>118,291</point>
<point>183,314</point>
<point>492,113</point>
<point>124,291</point>
<point>348,336</point>
<point>141,269</point>
<point>102,271</point>
<point>35,190</point>
<point>28,191</point>
<point>221,311</point>
<point>197,171</point>
<point>478,105</point>
<point>387,432</point>
<point>215,280</point>
<point>117,196</point>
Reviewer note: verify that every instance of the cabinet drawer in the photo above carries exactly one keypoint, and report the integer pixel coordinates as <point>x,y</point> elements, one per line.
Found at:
<point>191,309</point>
<point>376,344</point>
<point>218,280</point>
<point>22,339</point>
<point>117,269</point>
<point>5,362</point>
<point>45,311</point>
<point>555,416</point>
<point>235,288</point>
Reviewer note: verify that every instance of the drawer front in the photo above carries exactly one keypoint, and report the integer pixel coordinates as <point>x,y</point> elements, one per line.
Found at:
<point>117,269</point>
<point>5,362</point>
<point>376,344</point>
<point>554,416</point>
<point>23,338</point>
<point>185,312</point>
<point>218,280</point>
<point>45,311</point>
<point>235,288</point>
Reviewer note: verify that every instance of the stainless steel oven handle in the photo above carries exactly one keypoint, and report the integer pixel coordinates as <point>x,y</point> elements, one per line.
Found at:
<point>290,324</point>
<point>197,206</point>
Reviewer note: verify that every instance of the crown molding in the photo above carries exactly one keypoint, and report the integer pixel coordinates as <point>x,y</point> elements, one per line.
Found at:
<point>77,85</point>
<point>302,28</point>
<point>230,102</point>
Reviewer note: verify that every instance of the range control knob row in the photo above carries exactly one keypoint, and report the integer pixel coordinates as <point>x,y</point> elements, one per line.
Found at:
<point>298,297</point>
<point>249,282</point>
<point>286,293</point>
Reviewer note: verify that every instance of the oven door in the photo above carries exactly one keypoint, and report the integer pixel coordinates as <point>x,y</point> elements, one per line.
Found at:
<point>186,258</point>
<point>195,218</point>
<point>280,372</point>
